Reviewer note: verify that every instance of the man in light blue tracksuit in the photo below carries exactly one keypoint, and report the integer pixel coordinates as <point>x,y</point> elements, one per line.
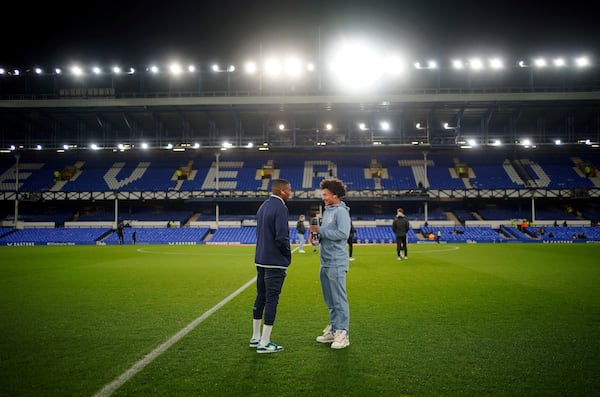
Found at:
<point>334,232</point>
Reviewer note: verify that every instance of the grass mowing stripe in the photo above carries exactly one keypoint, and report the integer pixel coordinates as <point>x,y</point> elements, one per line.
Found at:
<point>137,367</point>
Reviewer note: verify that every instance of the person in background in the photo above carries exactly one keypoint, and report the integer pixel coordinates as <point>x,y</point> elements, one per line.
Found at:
<point>121,233</point>
<point>351,242</point>
<point>315,223</point>
<point>272,258</point>
<point>439,236</point>
<point>400,227</point>
<point>134,237</point>
<point>334,233</point>
<point>300,231</point>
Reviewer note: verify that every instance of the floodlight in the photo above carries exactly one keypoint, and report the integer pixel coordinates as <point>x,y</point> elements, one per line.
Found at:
<point>38,70</point>
<point>249,145</point>
<point>175,68</point>
<point>522,64</point>
<point>2,71</point>
<point>191,68</point>
<point>362,127</point>
<point>582,61</point>
<point>58,70</point>
<point>559,62</point>
<point>356,66</point>
<point>215,67</point>
<point>76,70</point>
<point>458,64</point>
<point>17,72</point>
<point>96,70</point>
<point>272,67</point>
<point>496,63</point>
<point>231,68</point>
<point>540,63</point>
<point>250,67</point>
<point>94,146</point>
<point>281,127</point>
<point>393,65</point>
<point>557,142</point>
<point>154,69</point>
<point>292,67</point>
<point>328,126</point>
<point>144,145</point>
<point>476,64</point>
<point>385,126</point>
<point>116,70</point>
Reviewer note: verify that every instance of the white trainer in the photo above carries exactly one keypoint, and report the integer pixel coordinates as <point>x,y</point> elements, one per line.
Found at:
<point>341,339</point>
<point>327,336</point>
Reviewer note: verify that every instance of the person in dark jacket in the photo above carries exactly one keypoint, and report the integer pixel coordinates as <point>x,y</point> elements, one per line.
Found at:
<point>351,241</point>
<point>300,231</point>
<point>400,226</point>
<point>272,258</point>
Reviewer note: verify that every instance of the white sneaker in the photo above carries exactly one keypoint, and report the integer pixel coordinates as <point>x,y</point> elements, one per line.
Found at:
<point>351,259</point>
<point>399,258</point>
<point>327,336</point>
<point>341,339</point>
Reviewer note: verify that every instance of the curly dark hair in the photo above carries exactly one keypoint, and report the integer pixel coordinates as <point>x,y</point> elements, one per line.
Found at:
<point>335,186</point>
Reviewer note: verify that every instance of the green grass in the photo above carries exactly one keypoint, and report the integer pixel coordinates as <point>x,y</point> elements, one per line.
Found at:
<point>484,319</point>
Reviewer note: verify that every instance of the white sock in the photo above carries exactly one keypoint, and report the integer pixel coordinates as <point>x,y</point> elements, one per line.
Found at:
<point>256,328</point>
<point>266,334</point>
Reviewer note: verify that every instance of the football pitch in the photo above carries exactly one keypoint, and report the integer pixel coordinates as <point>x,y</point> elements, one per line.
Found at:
<point>466,319</point>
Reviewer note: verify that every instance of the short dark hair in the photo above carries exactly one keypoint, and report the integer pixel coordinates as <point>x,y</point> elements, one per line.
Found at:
<point>278,185</point>
<point>335,186</point>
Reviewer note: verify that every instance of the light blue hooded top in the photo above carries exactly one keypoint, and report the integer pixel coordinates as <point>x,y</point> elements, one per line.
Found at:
<point>334,232</point>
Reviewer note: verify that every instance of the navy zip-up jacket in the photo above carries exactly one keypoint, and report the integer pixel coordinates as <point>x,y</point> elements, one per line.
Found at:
<point>273,234</point>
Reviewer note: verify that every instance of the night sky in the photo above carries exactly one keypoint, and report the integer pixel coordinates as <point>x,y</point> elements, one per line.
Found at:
<point>232,31</point>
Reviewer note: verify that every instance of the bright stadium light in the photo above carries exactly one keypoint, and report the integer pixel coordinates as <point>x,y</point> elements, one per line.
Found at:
<point>250,67</point>
<point>356,66</point>
<point>76,70</point>
<point>559,62</point>
<point>273,67</point>
<point>116,70</point>
<point>476,64</point>
<point>582,62</point>
<point>96,70</point>
<point>540,62</point>
<point>458,64</point>
<point>394,65</point>
<point>154,69</point>
<point>293,67</point>
<point>175,68</point>
<point>38,71</point>
<point>496,63</point>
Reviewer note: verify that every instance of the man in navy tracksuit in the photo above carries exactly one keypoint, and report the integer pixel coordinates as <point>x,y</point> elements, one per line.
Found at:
<point>272,258</point>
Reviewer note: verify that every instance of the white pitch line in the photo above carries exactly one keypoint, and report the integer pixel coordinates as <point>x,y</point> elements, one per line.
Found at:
<point>111,387</point>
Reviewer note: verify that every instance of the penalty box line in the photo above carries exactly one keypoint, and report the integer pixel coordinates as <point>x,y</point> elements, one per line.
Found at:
<point>111,387</point>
